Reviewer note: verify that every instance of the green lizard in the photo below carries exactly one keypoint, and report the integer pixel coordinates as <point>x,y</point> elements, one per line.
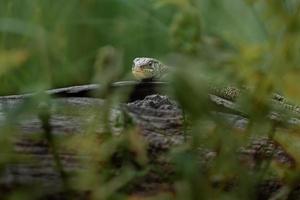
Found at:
<point>145,68</point>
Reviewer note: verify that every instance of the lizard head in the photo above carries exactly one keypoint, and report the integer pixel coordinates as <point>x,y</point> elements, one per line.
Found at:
<point>146,68</point>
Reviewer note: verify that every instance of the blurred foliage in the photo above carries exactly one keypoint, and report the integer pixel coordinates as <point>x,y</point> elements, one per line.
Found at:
<point>251,43</point>
<point>61,38</point>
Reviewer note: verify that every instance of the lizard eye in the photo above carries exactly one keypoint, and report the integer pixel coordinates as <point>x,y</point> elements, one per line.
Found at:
<point>151,63</point>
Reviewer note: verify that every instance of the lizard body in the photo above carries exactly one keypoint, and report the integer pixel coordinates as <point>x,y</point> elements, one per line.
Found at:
<point>145,68</point>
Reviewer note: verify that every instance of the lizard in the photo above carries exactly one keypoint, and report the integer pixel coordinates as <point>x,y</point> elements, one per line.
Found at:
<point>145,68</point>
<point>148,69</point>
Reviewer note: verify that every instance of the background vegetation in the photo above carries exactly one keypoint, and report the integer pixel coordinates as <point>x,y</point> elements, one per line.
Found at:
<point>251,43</point>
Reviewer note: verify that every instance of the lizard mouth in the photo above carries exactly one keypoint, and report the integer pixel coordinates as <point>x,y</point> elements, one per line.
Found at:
<point>141,74</point>
<point>138,73</point>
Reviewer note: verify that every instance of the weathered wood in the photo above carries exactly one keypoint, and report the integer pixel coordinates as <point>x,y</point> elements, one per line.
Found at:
<point>159,121</point>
